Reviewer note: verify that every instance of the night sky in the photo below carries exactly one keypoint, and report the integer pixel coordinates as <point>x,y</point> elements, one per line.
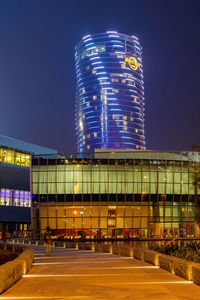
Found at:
<point>37,72</point>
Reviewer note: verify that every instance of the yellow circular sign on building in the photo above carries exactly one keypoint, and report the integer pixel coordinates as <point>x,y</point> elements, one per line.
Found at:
<point>133,63</point>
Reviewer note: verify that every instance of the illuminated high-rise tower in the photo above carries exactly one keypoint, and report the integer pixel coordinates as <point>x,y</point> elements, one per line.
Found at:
<point>110,92</point>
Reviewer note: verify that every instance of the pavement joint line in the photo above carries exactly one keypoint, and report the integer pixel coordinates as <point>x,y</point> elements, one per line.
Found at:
<point>40,297</point>
<point>110,258</point>
<point>48,297</point>
<point>101,268</point>
<point>157,282</point>
<point>70,262</point>
<point>81,275</point>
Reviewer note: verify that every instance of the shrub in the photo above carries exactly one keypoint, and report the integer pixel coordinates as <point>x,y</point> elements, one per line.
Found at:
<point>6,256</point>
<point>191,251</point>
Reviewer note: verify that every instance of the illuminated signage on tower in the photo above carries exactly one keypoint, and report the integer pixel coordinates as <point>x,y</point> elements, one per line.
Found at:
<point>133,63</point>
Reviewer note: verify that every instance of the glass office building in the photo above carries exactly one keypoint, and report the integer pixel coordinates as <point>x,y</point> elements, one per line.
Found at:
<point>110,92</point>
<point>116,194</point>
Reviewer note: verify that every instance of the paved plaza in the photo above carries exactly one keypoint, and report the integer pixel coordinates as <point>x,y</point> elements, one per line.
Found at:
<point>83,274</point>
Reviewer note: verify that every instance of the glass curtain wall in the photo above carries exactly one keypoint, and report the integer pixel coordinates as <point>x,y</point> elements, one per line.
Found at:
<point>13,157</point>
<point>121,195</point>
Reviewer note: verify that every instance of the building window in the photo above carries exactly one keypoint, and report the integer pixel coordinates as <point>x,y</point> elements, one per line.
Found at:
<point>125,128</point>
<point>83,116</point>
<point>124,117</point>
<point>88,67</point>
<point>131,118</point>
<point>136,130</point>
<point>88,136</point>
<point>135,99</point>
<point>125,123</point>
<point>95,107</point>
<point>88,147</point>
<point>123,80</point>
<point>95,134</point>
<point>94,71</point>
<point>94,97</point>
<point>115,91</point>
<point>88,104</point>
<point>83,100</point>
<point>83,90</point>
<point>84,137</point>
<point>123,65</point>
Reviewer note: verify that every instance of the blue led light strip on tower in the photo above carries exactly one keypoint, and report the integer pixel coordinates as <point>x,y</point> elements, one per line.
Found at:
<point>110,92</point>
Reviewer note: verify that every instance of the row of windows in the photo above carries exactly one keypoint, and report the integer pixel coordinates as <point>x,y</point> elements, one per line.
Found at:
<point>133,79</point>
<point>13,157</point>
<point>90,51</point>
<point>181,161</point>
<point>95,134</point>
<point>167,200</point>
<point>136,146</point>
<point>15,198</point>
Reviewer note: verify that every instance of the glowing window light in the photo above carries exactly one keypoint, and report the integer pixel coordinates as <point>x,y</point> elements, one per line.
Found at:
<point>119,46</point>
<point>96,62</point>
<point>86,36</point>
<point>102,78</point>
<point>87,40</point>
<point>137,48</point>
<point>111,32</point>
<point>89,44</point>
<point>96,68</point>
<point>91,48</point>
<point>92,58</point>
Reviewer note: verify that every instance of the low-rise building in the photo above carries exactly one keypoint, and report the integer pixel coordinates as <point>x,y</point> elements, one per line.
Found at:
<point>116,194</point>
<point>15,195</point>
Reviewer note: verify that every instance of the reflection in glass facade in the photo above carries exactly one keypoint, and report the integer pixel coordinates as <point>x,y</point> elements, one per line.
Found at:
<point>116,194</point>
<point>109,97</point>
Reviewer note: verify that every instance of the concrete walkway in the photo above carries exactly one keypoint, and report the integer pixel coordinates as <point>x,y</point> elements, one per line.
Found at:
<point>82,274</point>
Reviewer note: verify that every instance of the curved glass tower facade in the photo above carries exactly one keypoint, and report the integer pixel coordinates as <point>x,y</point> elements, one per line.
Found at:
<point>110,92</point>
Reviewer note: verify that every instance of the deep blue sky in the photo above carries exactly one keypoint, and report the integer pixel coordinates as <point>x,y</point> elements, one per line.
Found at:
<point>37,74</point>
